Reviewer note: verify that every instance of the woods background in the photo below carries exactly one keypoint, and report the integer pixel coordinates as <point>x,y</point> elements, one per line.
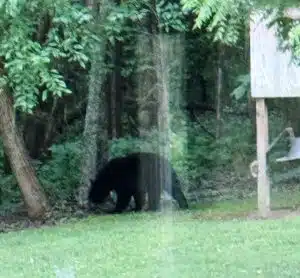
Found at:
<point>85,81</point>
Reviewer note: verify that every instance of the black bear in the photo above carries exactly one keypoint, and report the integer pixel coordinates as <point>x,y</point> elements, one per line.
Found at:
<point>134,175</point>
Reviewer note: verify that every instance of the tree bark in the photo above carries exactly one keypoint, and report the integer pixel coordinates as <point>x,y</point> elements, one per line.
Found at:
<point>115,94</point>
<point>95,130</point>
<point>109,100</point>
<point>219,90</point>
<point>33,195</point>
<point>117,87</point>
<point>145,89</point>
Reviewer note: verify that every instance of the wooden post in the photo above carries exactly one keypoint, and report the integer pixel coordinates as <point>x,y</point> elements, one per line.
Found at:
<point>272,76</point>
<point>262,139</point>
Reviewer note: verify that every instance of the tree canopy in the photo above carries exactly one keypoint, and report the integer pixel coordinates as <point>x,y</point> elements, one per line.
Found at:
<point>37,38</point>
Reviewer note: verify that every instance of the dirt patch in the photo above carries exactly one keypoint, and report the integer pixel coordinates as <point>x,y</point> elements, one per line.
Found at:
<point>64,212</point>
<point>254,215</point>
<point>276,214</point>
<point>19,220</point>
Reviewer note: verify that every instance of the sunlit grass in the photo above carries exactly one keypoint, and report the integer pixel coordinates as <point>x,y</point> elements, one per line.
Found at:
<point>287,199</point>
<point>160,245</point>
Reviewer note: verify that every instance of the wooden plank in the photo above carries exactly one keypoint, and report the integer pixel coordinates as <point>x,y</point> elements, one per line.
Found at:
<point>263,183</point>
<point>272,72</point>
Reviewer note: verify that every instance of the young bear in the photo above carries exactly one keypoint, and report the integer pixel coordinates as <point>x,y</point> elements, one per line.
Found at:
<point>133,176</point>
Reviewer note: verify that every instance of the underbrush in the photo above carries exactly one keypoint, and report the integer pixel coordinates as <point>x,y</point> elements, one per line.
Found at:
<point>211,170</point>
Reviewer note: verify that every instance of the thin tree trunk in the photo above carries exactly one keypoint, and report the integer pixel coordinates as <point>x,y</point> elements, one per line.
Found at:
<point>34,197</point>
<point>108,98</point>
<point>119,93</point>
<point>113,104</point>
<point>219,91</point>
<point>163,79</point>
<point>145,84</point>
<point>95,130</point>
<point>115,94</point>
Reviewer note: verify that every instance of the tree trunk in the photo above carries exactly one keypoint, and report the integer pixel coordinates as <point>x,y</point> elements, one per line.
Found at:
<point>113,105</point>
<point>219,90</point>
<point>145,80</point>
<point>146,90</point>
<point>109,100</point>
<point>95,129</point>
<point>34,197</point>
<point>114,94</point>
<point>161,50</point>
<point>118,92</point>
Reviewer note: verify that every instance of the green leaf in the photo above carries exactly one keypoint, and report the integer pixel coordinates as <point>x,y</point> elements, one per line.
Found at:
<point>44,95</point>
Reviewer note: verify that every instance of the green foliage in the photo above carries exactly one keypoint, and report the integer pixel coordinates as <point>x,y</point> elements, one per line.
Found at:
<point>294,40</point>
<point>289,34</point>
<point>70,36</point>
<point>32,65</point>
<point>60,176</point>
<point>194,153</point>
<point>149,143</point>
<point>287,30</point>
<point>121,25</point>
<point>241,91</point>
<point>120,20</point>
<point>10,193</point>
<point>226,19</point>
<point>126,20</point>
<point>171,16</point>
<point>207,167</point>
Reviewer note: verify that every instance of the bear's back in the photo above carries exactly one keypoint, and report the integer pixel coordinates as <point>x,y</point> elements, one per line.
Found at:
<point>137,166</point>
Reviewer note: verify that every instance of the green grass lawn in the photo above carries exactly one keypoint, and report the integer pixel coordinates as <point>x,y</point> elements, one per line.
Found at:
<point>158,245</point>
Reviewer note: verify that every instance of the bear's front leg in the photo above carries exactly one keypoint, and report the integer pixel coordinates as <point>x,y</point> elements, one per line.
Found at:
<point>139,199</point>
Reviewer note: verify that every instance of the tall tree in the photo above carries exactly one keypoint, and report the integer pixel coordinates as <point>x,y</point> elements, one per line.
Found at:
<point>33,194</point>
<point>29,62</point>
<point>95,129</point>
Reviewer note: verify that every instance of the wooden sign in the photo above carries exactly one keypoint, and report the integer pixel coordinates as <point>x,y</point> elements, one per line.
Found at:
<point>272,72</point>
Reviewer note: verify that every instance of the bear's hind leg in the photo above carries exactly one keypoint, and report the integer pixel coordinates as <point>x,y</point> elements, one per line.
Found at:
<point>123,200</point>
<point>139,199</point>
<point>154,197</point>
<point>176,191</point>
<point>179,197</point>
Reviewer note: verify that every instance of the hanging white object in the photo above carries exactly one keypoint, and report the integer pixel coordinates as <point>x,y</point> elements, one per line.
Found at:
<point>294,152</point>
